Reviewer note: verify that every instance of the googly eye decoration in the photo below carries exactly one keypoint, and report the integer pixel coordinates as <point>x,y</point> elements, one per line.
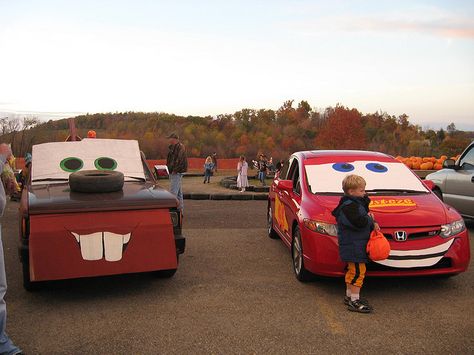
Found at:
<point>343,167</point>
<point>71,164</point>
<point>105,163</point>
<point>376,167</point>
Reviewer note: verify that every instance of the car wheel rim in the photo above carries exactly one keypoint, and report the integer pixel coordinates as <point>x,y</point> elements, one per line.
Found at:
<point>297,257</point>
<point>269,221</point>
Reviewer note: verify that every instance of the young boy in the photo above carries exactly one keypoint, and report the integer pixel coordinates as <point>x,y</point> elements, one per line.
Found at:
<point>354,224</point>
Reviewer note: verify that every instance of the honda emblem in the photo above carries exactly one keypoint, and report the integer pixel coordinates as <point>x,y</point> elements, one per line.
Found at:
<point>400,236</point>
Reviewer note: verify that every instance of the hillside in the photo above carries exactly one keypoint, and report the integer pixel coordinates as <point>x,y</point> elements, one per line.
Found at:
<point>249,132</point>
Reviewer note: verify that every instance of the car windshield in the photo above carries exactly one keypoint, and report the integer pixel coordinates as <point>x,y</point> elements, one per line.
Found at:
<point>53,162</point>
<point>387,178</point>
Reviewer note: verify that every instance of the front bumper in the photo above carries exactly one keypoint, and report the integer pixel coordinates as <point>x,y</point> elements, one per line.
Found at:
<point>321,257</point>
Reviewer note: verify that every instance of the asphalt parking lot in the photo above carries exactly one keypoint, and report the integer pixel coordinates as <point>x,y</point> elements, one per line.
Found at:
<point>234,292</point>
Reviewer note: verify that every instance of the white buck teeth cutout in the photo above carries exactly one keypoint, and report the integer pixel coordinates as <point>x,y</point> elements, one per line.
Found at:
<point>95,245</point>
<point>91,246</point>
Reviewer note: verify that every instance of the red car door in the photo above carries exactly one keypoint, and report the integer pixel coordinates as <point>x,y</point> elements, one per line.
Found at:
<point>288,200</point>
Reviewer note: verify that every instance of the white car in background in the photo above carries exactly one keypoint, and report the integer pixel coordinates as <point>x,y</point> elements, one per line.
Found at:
<point>454,184</point>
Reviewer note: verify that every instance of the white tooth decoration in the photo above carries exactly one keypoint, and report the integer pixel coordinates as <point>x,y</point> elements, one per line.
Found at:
<point>77,236</point>
<point>126,238</point>
<point>94,245</point>
<point>91,246</point>
<point>113,244</point>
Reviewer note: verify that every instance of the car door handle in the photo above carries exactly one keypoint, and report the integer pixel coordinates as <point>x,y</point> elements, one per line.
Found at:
<point>472,179</point>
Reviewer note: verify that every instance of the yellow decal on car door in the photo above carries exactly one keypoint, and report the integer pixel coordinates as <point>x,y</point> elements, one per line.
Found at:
<point>280,214</point>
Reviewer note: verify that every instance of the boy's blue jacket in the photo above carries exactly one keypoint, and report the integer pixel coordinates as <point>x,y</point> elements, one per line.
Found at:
<point>353,228</point>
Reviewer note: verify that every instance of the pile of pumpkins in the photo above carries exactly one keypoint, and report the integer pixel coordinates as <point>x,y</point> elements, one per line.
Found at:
<point>426,163</point>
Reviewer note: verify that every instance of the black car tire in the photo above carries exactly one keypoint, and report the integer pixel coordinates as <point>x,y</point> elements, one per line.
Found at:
<point>93,181</point>
<point>270,231</point>
<point>301,273</point>
<point>27,284</point>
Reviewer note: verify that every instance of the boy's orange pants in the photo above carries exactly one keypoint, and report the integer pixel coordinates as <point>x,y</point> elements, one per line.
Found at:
<point>355,274</point>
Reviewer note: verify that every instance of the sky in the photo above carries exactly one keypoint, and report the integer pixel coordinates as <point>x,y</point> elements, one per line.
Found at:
<point>62,58</point>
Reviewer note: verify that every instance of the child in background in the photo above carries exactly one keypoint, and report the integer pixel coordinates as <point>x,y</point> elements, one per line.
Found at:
<point>354,224</point>
<point>208,167</point>
<point>242,171</point>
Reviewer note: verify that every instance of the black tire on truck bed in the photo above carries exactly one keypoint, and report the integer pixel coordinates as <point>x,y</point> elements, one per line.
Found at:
<point>96,181</point>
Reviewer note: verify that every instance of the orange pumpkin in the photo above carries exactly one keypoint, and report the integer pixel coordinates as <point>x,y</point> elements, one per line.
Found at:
<point>426,166</point>
<point>438,166</point>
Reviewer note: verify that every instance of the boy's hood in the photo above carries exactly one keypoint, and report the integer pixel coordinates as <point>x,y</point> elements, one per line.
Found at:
<point>344,199</point>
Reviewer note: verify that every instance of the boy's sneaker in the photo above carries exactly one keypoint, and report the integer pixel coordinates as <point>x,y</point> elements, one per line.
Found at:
<point>358,306</point>
<point>361,300</point>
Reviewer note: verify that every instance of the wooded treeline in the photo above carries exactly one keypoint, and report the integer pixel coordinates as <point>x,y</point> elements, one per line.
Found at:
<point>250,132</point>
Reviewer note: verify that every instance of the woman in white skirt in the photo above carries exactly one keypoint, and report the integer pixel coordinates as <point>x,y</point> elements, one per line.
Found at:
<point>242,169</point>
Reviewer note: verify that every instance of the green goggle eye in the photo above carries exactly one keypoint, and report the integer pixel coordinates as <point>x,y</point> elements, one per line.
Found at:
<point>105,163</point>
<point>71,164</point>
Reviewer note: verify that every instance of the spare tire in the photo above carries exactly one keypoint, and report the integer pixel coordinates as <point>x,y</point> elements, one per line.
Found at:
<point>96,181</point>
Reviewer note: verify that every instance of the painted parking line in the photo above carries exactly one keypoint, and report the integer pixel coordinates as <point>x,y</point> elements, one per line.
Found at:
<point>334,325</point>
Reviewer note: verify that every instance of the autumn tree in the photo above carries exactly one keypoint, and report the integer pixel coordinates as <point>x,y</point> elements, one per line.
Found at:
<point>342,130</point>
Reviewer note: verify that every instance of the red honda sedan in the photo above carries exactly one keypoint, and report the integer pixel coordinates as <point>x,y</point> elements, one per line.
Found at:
<point>426,236</point>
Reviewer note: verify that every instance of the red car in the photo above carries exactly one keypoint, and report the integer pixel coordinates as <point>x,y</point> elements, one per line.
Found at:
<point>426,236</point>
<point>93,208</point>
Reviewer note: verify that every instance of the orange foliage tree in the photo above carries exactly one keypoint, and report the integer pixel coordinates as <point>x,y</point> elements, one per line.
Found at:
<point>343,129</point>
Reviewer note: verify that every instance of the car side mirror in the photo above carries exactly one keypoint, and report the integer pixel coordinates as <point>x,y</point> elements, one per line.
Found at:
<point>449,164</point>
<point>286,185</point>
<point>429,184</point>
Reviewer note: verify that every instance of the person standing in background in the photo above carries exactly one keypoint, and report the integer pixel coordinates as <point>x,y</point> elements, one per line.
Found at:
<point>6,345</point>
<point>177,164</point>
<point>242,171</point>
<point>262,169</point>
<point>208,166</point>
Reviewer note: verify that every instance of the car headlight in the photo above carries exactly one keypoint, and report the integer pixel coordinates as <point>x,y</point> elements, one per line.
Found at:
<point>448,230</point>
<point>321,227</point>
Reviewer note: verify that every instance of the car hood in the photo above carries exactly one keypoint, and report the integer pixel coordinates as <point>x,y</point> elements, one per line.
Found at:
<point>394,211</point>
<point>58,198</point>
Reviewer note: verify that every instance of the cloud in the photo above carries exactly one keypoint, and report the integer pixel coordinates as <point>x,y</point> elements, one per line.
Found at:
<point>447,26</point>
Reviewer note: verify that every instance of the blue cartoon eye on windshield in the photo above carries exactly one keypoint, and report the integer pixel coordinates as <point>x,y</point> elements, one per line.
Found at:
<point>376,167</point>
<point>343,167</point>
<point>71,164</point>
